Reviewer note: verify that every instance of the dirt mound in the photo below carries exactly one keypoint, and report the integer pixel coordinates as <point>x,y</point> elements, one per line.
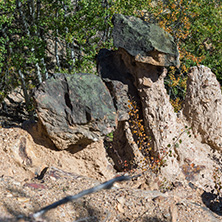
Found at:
<point>33,176</point>
<point>22,157</point>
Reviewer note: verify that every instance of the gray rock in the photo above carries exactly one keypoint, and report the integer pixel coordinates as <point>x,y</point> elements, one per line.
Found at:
<point>147,42</point>
<point>75,109</point>
<point>119,81</point>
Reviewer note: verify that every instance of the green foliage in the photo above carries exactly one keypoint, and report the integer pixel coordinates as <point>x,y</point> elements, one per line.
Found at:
<point>152,160</point>
<point>205,38</point>
<point>109,137</point>
<point>39,36</point>
<point>196,26</point>
<point>175,83</point>
<point>33,34</point>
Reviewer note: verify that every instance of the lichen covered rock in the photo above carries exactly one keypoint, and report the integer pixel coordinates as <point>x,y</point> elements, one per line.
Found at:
<point>75,109</point>
<point>147,42</point>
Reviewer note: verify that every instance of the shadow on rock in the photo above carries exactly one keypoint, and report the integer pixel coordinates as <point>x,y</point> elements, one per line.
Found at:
<point>152,219</point>
<point>212,202</point>
<point>146,219</point>
<point>13,111</point>
<point>38,133</point>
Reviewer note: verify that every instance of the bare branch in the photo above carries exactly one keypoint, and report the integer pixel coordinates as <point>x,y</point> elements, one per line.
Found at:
<point>24,88</point>
<point>106,185</point>
<point>56,45</point>
<point>46,74</point>
<point>19,5</point>
<point>38,73</point>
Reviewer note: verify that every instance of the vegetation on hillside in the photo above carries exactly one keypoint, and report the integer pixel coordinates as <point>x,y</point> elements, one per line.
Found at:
<point>38,37</point>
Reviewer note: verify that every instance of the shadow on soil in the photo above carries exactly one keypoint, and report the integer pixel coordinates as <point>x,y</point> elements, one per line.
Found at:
<point>212,202</point>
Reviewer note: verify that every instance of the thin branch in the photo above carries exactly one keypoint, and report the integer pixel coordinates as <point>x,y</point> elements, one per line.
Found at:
<point>46,74</point>
<point>32,16</point>
<point>31,6</point>
<point>56,45</point>
<point>19,5</point>
<point>70,53</point>
<point>38,73</point>
<point>38,9</point>
<point>106,185</point>
<point>24,88</point>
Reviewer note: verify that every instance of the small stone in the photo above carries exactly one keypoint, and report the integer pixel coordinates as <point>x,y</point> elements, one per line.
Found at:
<point>121,200</point>
<point>120,208</point>
<point>23,199</point>
<point>34,185</point>
<point>9,195</point>
<point>159,199</point>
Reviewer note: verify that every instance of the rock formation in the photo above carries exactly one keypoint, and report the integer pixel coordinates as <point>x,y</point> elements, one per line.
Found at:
<point>140,61</point>
<point>138,54</point>
<point>137,71</point>
<point>138,64</point>
<point>75,109</point>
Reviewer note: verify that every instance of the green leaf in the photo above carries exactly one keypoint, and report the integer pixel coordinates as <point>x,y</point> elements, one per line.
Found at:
<point>177,145</point>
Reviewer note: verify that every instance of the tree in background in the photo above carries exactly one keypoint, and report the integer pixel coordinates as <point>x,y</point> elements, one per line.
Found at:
<point>40,37</point>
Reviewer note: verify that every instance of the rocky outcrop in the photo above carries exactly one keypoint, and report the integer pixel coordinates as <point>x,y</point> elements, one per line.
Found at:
<point>128,77</point>
<point>139,43</point>
<point>75,109</point>
<point>190,156</point>
<point>203,106</point>
<point>138,65</point>
<point>158,113</point>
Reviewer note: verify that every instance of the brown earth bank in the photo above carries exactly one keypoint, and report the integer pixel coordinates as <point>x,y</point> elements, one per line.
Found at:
<point>33,175</point>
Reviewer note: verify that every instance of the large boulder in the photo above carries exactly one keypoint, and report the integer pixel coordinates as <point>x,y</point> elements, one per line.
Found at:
<point>75,109</point>
<point>147,42</point>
